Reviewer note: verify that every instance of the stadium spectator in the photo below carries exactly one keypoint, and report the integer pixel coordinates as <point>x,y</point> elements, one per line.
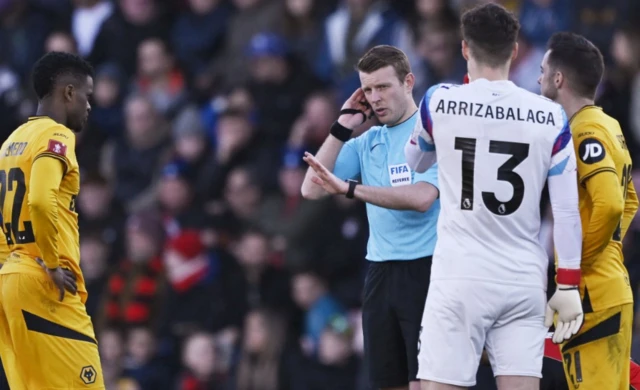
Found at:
<point>13,105</point>
<point>336,366</point>
<point>86,20</point>
<point>199,362</point>
<point>194,272</point>
<point>302,20</point>
<point>526,63</point>
<point>620,90</point>
<point>252,17</point>
<point>135,160</point>
<point>121,34</point>
<point>310,129</point>
<point>95,254</point>
<point>350,31</point>
<point>60,41</point>
<point>107,116</point>
<point>176,200</point>
<point>198,34</point>
<point>111,349</point>
<point>277,80</point>
<point>132,296</point>
<point>432,11</point>
<point>100,212</point>
<point>263,285</point>
<point>311,294</point>
<point>539,19</point>
<point>265,362</point>
<point>23,30</point>
<point>439,55</point>
<point>597,21</point>
<point>243,195</point>
<point>158,77</point>
<point>221,160</point>
<point>140,363</point>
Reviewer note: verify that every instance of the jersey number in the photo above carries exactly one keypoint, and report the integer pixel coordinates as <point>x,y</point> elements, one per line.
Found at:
<point>13,180</point>
<point>518,152</point>
<point>626,179</point>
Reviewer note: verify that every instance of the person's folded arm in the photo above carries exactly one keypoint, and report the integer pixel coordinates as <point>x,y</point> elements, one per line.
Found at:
<point>630,209</point>
<point>607,207</point>
<point>44,184</point>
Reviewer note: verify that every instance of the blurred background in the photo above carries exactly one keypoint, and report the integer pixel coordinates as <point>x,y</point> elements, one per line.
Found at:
<point>205,267</point>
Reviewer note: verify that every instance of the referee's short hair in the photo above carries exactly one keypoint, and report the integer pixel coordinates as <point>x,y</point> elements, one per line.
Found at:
<point>491,32</point>
<point>381,56</point>
<point>579,60</point>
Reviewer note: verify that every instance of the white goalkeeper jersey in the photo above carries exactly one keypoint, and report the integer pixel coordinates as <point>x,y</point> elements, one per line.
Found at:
<point>496,145</point>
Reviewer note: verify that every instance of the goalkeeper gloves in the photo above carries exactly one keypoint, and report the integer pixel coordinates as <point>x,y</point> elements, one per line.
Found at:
<point>567,304</point>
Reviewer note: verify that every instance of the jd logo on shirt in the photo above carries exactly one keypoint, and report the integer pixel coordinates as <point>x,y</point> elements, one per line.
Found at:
<point>399,175</point>
<point>591,151</point>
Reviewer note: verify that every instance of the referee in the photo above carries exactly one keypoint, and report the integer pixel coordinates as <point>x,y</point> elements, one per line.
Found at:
<point>402,209</point>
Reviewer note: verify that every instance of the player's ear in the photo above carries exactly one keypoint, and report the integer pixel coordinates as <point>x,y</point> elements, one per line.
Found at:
<point>69,91</point>
<point>514,53</point>
<point>465,50</point>
<point>558,79</point>
<point>409,82</point>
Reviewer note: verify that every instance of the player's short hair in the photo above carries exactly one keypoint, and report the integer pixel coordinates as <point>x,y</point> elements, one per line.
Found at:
<point>579,60</point>
<point>52,66</point>
<point>491,32</point>
<point>381,56</point>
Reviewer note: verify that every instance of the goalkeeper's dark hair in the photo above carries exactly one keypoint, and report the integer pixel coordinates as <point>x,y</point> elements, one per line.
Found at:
<point>50,67</point>
<point>579,60</point>
<point>491,32</point>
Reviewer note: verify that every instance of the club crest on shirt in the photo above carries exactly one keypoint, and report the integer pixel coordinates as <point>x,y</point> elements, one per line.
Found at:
<point>57,147</point>
<point>399,175</point>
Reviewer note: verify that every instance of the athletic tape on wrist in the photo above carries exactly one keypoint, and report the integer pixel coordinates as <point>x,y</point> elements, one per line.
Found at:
<point>568,276</point>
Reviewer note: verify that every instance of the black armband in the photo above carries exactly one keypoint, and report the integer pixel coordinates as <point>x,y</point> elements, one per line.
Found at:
<point>340,132</point>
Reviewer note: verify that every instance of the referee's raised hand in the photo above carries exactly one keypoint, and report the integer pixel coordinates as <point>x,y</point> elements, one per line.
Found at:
<point>324,178</point>
<point>357,102</point>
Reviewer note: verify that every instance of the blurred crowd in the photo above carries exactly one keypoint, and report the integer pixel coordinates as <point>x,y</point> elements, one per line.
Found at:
<point>205,267</point>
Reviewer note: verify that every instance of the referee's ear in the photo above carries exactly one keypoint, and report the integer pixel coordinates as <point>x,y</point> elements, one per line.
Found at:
<point>409,82</point>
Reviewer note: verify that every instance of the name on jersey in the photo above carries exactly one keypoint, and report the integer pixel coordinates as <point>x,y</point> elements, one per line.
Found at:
<point>480,110</point>
<point>14,149</point>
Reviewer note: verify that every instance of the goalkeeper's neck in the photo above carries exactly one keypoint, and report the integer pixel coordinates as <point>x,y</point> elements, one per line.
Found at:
<point>572,103</point>
<point>478,70</point>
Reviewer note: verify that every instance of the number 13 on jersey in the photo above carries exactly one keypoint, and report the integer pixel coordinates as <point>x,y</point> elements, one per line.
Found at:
<point>518,152</point>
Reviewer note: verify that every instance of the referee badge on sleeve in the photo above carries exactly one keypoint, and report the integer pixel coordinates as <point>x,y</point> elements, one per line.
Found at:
<point>399,175</point>
<point>57,147</point>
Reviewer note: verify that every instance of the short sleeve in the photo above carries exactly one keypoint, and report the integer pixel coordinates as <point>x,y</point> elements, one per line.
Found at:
<point>57,142</point>
<point>593,152</point>
<point>429,176</point>
<point>348,163</point>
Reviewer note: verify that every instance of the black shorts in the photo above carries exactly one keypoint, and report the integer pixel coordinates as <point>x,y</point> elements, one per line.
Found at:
<point>394,297</point>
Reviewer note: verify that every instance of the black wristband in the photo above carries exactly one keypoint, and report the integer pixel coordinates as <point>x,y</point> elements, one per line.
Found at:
<point>354,111</point>
<point>340,132</point>
<point>352,188</point>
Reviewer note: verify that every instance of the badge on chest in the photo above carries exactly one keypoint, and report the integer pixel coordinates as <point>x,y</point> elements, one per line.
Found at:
<point>399,175</point>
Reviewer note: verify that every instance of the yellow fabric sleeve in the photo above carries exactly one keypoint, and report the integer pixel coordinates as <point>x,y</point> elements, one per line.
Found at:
<point>44,184</point>
<point>607,206</point>
<point>630,208</point>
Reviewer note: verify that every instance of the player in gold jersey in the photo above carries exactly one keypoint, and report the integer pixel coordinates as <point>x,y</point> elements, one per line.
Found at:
<point>46,338</point>
<point>598,356</point>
